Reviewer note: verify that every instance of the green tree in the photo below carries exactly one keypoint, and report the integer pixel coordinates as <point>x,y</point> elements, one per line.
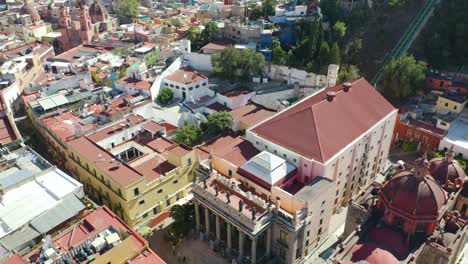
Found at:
<point>339,30</point>
<point>348,73</point>
<point>402,77</point>
<point>152,58</point>
<point>211,31</point>
<point>445,41</point>
<point>269,7</point>
<point>189,135</point>
<point>127,8</point>
<point>193,34</point>
<point>232,63</point>
<point>219,122</point>
<point>396,3</point>
<point>280,56</point>
<point>335,57</point>
<point>255,11</point>
<point>165,96</point>
<point>324,56</point>
<point>184,220</point>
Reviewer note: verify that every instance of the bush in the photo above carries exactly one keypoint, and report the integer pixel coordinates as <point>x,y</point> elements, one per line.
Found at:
<point>165,96</point>
<point>409,146</point>
<point>189,135</point>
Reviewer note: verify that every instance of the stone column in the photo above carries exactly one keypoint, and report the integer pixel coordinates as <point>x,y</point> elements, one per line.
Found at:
<point>218,229</point>
<point>197,216</point>
<point>254,250</point>
<point>229,238</point>
<point>241,244</point>
<point>207,222</point>
<point>268,242</point>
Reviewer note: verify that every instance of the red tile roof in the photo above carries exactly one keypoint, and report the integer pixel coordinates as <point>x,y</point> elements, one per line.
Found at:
<point>109,131</point>
<point>186,76</point>
<point>213,46</point>
<point>120,172</point>
<point>7,134</point>
<point>251,114</point>
<point>159,218</point>
<point>218,107</point>
<point>153,168</point>
<point>94,223</point>
<point>318,129</point>
<point>169,128</point>
<point>65,125</point>
<point>139,84</point>
<point>160,144</point>
<point>235,150</point>
<point>152,126</point>
<point>15,259</point>
<point>179,150</point>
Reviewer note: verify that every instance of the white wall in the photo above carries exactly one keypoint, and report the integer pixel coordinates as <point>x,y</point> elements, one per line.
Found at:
<point>198,61</point>
<point>10,94</point>
<point>236,102</point>
<point>159,79</point>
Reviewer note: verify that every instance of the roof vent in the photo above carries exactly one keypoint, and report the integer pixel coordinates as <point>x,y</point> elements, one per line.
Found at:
<point>347,86</point>
<point>331,96</point>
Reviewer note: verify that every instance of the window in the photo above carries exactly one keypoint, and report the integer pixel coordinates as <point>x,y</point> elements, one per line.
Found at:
<point>190,88</point>
<point>446,104</point>
<point>284,155</point>
<point>308,232</point>
<point>175,182</point>
<point>145,215</point>
<point>168,202</point>
<point>275,151</point>
<point>160,190</point>
<point>305,165</point>
<point>155,210</point>
<point>296,161</point>
<point>307,242</point>
<point>120,192</point>
<point>230,172</point>
<point>136,191</point>
<point>189,161</point>
<point>256,142</point>
<point>319,231</point>
<point>454,107</point>
<point>142,202</point>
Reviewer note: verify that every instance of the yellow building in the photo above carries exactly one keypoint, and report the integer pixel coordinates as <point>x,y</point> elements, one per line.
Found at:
<point>450,103</point>
<point>131,169</point>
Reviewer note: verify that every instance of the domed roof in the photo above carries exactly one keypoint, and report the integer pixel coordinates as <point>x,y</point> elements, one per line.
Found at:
<point>30,9</point>
<point>414,193</point>
<point>373,254</point>
<point>447,169</point>
<point>97,12</point>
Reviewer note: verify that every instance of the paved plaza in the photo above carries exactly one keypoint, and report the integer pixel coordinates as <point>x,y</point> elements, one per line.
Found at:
<point>194,250</point>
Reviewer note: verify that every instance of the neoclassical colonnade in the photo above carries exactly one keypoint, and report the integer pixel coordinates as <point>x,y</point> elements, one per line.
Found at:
<point>232,239</point>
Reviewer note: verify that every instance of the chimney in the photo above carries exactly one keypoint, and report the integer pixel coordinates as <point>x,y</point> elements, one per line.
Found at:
<point>331,96</point>
<point>347,86</point>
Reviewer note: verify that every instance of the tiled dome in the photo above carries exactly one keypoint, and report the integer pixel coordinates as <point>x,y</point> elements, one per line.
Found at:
<point>447,170</point>
<point>414,193</point>
<point>30,9</point>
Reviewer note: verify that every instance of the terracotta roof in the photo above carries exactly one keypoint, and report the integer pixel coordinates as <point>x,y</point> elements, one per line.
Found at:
<point>186,76</point>
<point>237,93</point>
<point>65,125</point>
<point>14,259</point>
<point>233,149</point>
<point>7,134</point>
<point>160,144</point>
<point>153,168</point>
<point>109,131</point>
<point>213,46</point>
<point>251,114</point>
<point>120,172</point>
<point>169,128</point>
<point>152,126</point>
<point>179,150</point>
<point>218,107</point>
<point>318,128</point>
<point>140,84</point>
